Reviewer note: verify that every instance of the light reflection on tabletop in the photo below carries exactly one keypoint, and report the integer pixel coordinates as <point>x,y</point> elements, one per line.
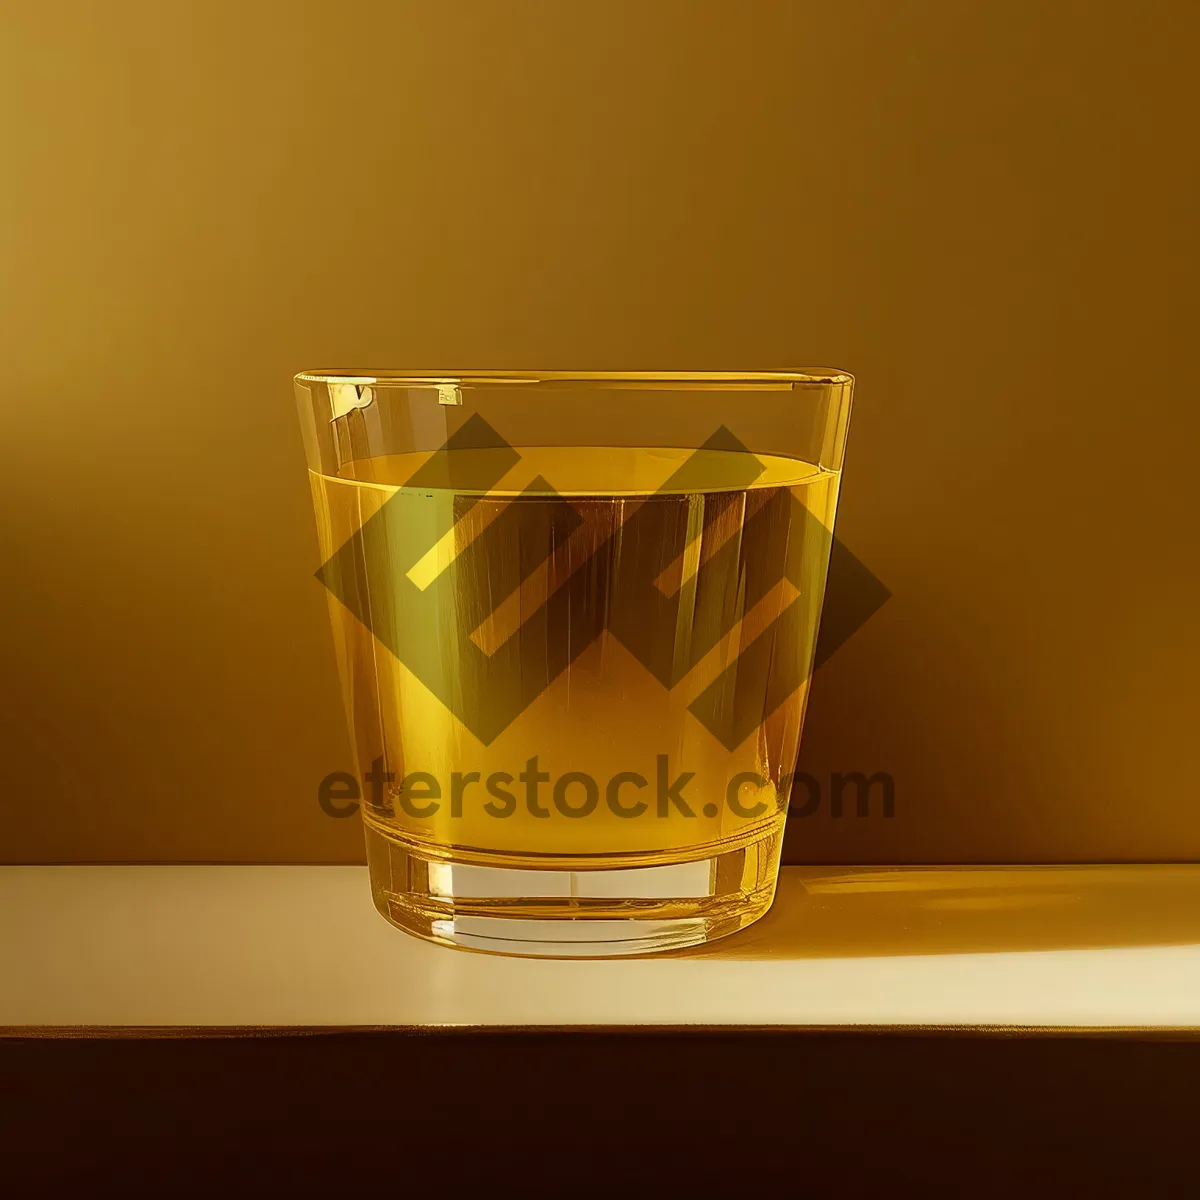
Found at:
<point>886,911</point>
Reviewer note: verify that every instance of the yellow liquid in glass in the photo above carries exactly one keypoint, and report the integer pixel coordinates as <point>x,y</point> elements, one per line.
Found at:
<point>584,531</point>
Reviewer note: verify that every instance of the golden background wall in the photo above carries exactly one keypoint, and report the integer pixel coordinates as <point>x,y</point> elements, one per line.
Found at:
<point>987,212</point>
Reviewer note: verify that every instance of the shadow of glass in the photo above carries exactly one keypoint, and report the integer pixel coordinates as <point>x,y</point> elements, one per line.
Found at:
<point>859,912</point>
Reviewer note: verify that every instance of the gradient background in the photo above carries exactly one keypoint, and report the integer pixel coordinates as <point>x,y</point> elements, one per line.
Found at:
<point>987,212</point>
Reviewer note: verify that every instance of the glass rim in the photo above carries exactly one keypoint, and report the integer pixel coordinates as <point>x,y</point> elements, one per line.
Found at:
<point>731,380</point>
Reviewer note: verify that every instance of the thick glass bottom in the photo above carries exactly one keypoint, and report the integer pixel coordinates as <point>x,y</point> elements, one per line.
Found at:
<point>577,911</point>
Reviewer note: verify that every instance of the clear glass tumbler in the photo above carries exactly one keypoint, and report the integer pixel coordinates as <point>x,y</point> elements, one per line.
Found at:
<point>575,617</point>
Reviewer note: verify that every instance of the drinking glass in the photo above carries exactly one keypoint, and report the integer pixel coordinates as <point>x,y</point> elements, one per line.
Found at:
<point>575,617</point>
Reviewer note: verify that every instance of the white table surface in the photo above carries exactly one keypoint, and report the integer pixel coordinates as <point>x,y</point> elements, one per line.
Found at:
<point>293,946</point>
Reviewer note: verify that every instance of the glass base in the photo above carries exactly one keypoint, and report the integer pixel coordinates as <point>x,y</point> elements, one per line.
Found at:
<point>576,911</point>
